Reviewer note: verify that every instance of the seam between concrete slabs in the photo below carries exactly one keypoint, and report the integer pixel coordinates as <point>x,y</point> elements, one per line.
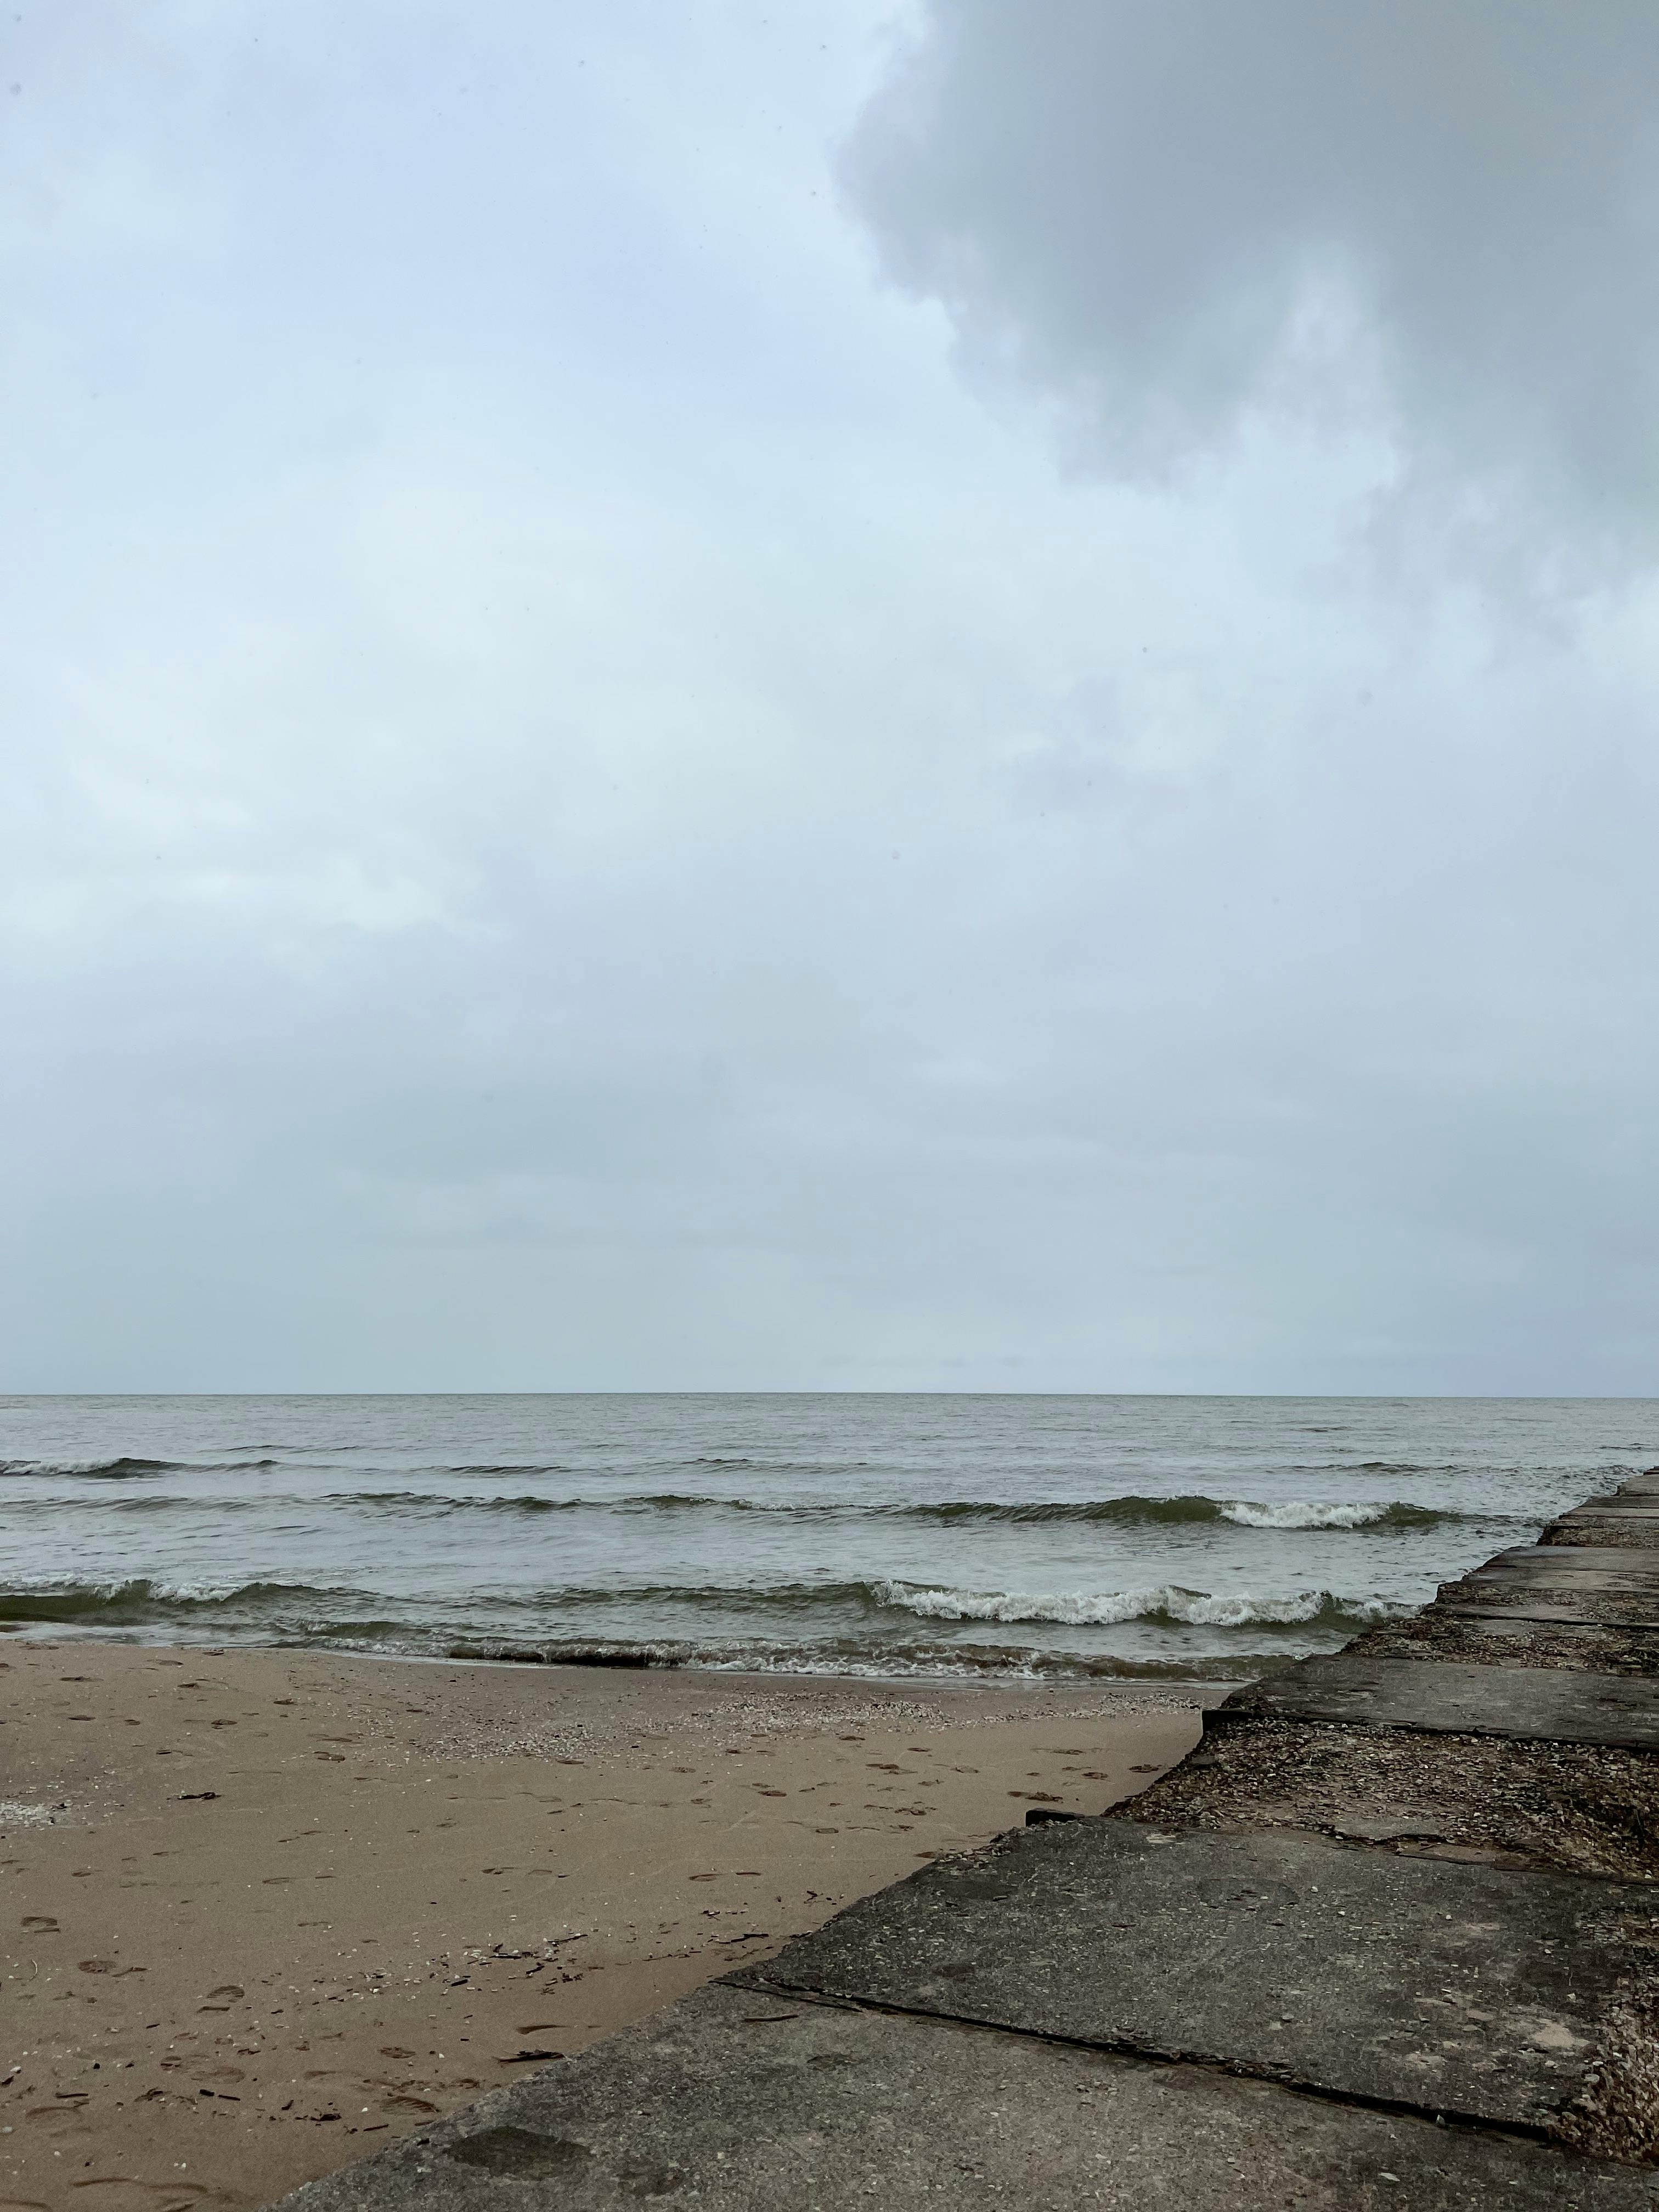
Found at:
<point>1201,2063</point>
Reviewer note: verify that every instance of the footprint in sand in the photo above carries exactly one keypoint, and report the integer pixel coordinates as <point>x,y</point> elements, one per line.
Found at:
<point>125,2192</point>
<point>58,2120</point>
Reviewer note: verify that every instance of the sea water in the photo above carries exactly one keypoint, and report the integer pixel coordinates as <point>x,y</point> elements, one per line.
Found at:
<point>960,1537</point>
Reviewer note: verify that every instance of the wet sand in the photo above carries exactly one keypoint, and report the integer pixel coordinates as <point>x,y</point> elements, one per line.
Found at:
<point>264,1911</point>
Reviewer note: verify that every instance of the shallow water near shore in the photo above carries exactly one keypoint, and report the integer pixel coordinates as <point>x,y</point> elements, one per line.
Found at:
<point>964,1537</point>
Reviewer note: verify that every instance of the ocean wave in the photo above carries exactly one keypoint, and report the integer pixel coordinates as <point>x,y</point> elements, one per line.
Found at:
<point>512,1466</point>
<point>124,1469</point>
<point>291,1617</point>
<point>92,1470</point>
<point>1382,1515</point>
<point>1163,1604</point>
<point>1313,1513</point>
<point>1134,1510</point>
<point>303,1607</point>
<point>530,1502</point>
<point>143,1602</point>
<point>406,1501</point>
<point>848,1656</point>
<point>1409,1467</point>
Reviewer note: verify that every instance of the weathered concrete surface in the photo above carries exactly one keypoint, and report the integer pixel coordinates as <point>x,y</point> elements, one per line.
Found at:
<point>1629,1532</point>
<point>1527,1601</point>
<point>1578,1809</point>
<point>1645,1484</point>
<point>1551,1704</point>
<point>1571,1567</point>
<point>1516,1637</point>
<point>1451,1987</point>
<point>1554,1608</point>
<point>730,2101</point>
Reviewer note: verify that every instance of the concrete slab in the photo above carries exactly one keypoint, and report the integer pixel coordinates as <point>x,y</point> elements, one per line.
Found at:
<point>1620,1609</point>
<point>1576,1809</point>
<point>736,2104</point>
<point>1556,1704</point>
<point>1552,1616</point>
<point>1562,1566</point>
<point>1452,1988</point>
<point>1514,1637</point>
<point>1629,1531</point>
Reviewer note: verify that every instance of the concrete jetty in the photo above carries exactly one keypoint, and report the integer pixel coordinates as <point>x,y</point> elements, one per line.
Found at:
<point>1389,1937</point>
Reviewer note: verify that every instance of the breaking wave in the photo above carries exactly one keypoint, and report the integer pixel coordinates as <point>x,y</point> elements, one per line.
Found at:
<point>1380,1515</point>
<point>1135,1511</point>
<point>107,1470</point>
<point>1163,1604</point>
<point>849,1655</point>
<point>1124,1512</point>
<point>316,1613</point>
<point>1311,1513</point>
<point>124,1469</point>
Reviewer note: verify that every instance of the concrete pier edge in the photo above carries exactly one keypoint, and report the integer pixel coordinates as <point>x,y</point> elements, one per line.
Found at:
<point>1389,1936</point>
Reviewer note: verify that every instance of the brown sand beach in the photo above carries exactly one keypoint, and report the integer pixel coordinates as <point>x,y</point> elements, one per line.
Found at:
<point>264,1910</point>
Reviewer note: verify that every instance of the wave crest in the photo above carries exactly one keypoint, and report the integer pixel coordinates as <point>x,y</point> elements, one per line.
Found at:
<point>1162,1604</point>
<point>105,1470</point>
<point>124,1469</point>
<point>300,1608</point>
<point>1385,1515</point>
<point>1313,1513</point>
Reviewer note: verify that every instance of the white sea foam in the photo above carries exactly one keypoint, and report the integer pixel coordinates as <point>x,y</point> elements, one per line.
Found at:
<point>1074,1608</point>
<point>1101,1608</point>
<point>1301,1513</point>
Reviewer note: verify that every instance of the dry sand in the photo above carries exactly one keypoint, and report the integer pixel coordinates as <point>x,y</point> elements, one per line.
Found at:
<point>264,1911</point>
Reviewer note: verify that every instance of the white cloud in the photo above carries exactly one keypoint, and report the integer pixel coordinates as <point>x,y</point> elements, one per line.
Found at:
<point>584,814</point>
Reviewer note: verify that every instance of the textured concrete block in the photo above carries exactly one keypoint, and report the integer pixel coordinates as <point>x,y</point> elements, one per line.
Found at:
<point>1547,1704</point>
<point>734,2103</point>
<point>1572,1568</point>
<point>1456,1987</point>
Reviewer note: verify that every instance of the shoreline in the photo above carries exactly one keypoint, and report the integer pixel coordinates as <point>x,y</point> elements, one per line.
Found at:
<point>1216,1671</point>
<point>1150,1678</point>
<point>268,1908</point>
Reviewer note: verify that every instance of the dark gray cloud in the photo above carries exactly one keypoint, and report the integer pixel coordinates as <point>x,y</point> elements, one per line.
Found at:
<point>1436,217</point>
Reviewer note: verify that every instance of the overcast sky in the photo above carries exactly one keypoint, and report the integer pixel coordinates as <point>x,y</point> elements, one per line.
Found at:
<point>831,695</point>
